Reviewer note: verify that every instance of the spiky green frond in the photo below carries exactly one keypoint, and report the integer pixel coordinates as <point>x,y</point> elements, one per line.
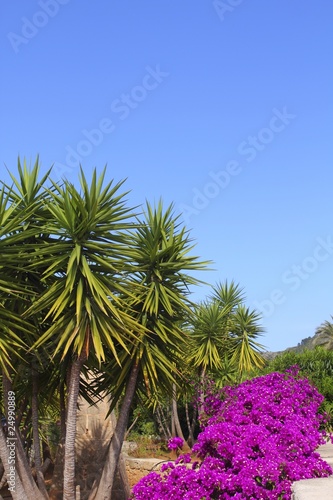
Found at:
<point>83,261</point>
<point>224,332</point>
<point>246,351</point>
<point>228,293</point>
<point>162,261</point>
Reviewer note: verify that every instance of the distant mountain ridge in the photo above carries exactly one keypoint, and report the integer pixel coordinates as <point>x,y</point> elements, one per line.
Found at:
<point>322,339</point>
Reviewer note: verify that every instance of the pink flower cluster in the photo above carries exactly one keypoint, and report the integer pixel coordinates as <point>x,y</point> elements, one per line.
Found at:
<point>260,436</point>
<point>175,443</point>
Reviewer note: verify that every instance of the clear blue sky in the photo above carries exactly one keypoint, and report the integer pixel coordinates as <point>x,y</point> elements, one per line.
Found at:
<point>224,108</point>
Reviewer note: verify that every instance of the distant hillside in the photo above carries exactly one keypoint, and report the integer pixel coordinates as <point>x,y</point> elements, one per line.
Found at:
<point>322,339</point>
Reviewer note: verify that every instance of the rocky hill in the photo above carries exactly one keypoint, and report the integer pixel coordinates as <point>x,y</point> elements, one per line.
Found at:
<point>322,339</point>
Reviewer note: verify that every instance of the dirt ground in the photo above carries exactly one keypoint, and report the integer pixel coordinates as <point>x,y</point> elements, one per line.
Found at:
<point>134,475</point>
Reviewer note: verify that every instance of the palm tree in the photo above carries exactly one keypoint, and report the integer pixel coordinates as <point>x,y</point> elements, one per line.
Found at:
<point>323,336</point>
<point>326,328</point>
<point>211,326</point>
<point>223,335</point>
<point>20,208</point>
<point>209,335</point>
<point>83,265</point>
<point>10,289</point>
<point>245,350</point>
<point>160,283</point>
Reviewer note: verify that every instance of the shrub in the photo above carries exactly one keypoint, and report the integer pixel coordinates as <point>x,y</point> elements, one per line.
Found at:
<point>317,366</point>
<point>260,437</point>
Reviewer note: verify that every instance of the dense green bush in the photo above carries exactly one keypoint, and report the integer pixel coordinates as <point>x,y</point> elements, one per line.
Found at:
<point>317,366</point>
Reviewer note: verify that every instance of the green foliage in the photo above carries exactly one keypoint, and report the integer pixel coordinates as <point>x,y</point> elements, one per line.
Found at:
<point>142,420</point>
<point>316,365</point>
<point>82,267</point>
<point>223,335</point>
<point>147,447</point>
<point>161,259</point>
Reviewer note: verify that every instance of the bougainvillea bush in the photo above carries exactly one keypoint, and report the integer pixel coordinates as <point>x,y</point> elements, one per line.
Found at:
<point>257,438</point>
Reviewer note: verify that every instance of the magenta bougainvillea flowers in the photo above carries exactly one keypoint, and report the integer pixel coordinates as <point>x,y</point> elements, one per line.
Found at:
<point>256,440</point>
<point>175,443</point>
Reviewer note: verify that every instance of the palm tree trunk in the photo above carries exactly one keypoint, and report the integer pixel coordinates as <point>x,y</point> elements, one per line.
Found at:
<point>23,470</point>
<point>35,431</point>
<point>202,392</point>
<point>103,490</point>
<point>21,409</point>
<point>194,420</point>
<point>63,411</point>
<point>190,426</point>
<point>58,471</point>
<point>3,481</point>
<point>162,422</point>
<point>172,418</point>
<point>121,468</point>
<point>69,464</point>
<point>17,491</point>
<point>2,475</point>
<point>178,429</point>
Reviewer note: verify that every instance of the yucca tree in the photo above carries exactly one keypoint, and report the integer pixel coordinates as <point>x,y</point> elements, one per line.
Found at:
<point>83,268</point>
<point>10,290</point>
<point>223,335</point>
<point>211,326</point>
<point>228,294</point>
<point>21,228</point>
<point>10,341</point>
<point>29,195</point>
<point>209,336</point>
<point>160,280</point>
<point>246,352</point>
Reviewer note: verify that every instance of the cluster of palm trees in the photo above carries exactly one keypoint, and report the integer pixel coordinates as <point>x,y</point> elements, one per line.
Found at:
<point>89,285</point>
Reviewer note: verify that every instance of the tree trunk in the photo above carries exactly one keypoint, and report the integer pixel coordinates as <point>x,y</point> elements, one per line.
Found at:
<point>202,392</point>
<point>58,471</point>
<point>123,476</point>
<point>35,431</point>
<point>69,465</point>
<point>17,490</point>
<point>194,420</point>
<point>21,409</point>
<point>103,490</point>
<point>23,470</point>
<point>2,473</point>
<point>173,425</point>
<point>175,416</point>
<point>190,429</point>
<point>63,411</point>
<point>162,422</point>
<point>3,481</point>
<point>121,464</point>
